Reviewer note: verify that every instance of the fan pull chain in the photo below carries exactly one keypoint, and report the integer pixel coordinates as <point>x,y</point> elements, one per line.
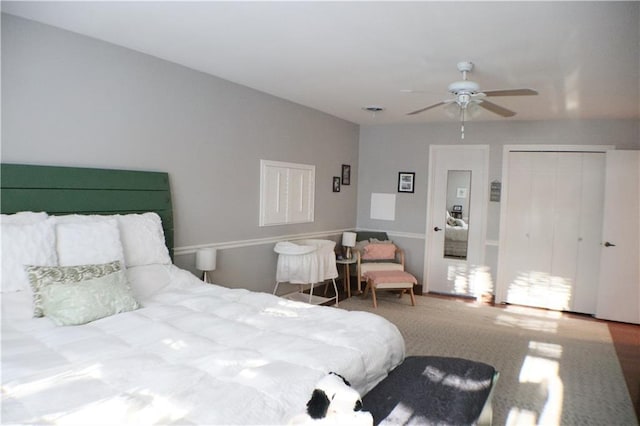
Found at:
<point>462,123</point>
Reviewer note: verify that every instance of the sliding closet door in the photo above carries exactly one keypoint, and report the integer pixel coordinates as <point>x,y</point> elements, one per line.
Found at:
<point>585,294</point>
<point>530,222</point>
<point>515,272</point>
<point>550,252</point>
<point>565,221</point>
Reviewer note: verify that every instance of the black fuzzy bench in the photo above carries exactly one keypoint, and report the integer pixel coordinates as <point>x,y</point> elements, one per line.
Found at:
<point>429,390</point>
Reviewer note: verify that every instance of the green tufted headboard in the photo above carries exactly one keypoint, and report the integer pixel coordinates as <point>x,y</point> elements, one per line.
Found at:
<point>65,190</point>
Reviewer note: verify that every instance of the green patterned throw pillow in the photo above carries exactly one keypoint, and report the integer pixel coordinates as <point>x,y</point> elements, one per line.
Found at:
<point>43,276</point>
<point>86,301</point>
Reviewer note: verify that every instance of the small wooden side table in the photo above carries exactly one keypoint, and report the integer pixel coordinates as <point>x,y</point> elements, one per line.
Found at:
<point>347,275</point>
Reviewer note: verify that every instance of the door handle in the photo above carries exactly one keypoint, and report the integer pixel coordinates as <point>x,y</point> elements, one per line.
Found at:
<point>437,229</point>
<point>608,244</point>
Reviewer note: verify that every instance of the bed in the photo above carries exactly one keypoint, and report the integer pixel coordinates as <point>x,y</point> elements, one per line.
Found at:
<point>455,237</point>
<point>181,351</point>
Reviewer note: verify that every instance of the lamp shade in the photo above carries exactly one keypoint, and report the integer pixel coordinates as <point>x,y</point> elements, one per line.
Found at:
<point>349,239</point>
<point>206,259</point>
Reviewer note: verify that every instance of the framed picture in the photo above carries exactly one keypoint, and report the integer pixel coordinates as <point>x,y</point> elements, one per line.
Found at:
<point>336,184</point>
<point>457,208</point>
<point>346,174</point>
<point>405,181</point>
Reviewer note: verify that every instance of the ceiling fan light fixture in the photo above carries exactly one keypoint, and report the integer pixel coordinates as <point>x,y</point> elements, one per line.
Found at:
<point>463,100</point>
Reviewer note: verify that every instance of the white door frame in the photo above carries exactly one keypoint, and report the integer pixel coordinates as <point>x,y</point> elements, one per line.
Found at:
<point>431,215</point>
<point>501,286</point>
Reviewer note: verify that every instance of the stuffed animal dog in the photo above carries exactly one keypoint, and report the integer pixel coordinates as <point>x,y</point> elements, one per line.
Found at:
<point>334,402</point>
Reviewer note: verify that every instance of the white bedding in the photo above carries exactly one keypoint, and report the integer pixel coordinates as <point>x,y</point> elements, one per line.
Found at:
<point>194,354</point>
<point>456,233</point>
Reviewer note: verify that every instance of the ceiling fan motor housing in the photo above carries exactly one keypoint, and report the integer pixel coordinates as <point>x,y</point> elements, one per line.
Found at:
<point>464,86</point>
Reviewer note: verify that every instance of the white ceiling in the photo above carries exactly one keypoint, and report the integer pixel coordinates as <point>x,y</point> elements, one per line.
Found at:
<point>583,58</point>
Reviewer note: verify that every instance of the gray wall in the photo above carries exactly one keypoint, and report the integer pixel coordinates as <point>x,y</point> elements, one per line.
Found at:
<point>71,100</point>
<point>386,150</point>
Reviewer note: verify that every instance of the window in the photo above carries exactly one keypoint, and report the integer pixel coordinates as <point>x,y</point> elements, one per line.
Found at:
<point>287,193</point>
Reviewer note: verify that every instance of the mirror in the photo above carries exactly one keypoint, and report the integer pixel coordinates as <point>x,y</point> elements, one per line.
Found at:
<point>456,234</point>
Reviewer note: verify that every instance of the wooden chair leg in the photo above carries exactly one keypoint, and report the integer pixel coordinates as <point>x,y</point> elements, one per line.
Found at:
<point>373,293</point>
<point>366,289</point>
<point>413,298</point>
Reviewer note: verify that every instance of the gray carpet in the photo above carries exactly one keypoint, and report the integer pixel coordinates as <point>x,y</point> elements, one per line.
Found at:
<point>554,369</point>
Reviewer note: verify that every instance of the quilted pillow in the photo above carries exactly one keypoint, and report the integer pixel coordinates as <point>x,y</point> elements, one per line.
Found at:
<point>89,242</point>
<point>22,245</point>
<point>379,251</point>
<point>375,240</point>
<point>43,276</point>
<point>86,301</point>
<point>24,218</point>
<point>143,239</point>
<point>360,245</point>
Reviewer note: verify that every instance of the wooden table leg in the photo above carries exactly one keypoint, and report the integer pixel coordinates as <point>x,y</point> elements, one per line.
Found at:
<point>347,279</point>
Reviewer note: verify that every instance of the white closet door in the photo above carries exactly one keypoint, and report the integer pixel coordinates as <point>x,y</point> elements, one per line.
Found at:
<point>540,232</point>
<point>619,289</point>
<point>565,230</point>
<point>516,245</point>
<point>585,294</point>
<point>551,252</point>
<point>527,259</point>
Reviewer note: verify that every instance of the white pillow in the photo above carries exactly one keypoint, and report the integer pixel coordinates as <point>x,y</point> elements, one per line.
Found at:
<point>143,239</point>
<point>91,242</point>
<point>82,218</point>
<point>22,245</point>
<point>24,218</point>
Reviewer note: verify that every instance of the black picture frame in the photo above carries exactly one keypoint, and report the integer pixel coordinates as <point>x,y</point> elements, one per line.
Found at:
<point>346,174</point>
<point>336,184</point>
<point>457,208</point>
<point>406,182</point>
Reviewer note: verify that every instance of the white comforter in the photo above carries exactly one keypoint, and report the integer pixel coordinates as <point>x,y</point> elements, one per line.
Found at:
<point>195,354</point>
<point>456,233</point>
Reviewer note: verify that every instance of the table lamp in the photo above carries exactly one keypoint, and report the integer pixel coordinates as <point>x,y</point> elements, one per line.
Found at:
<point>206,262</point>
<point>348,241</point>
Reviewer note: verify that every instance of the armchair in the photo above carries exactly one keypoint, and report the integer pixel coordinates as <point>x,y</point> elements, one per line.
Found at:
<point>373,256</point>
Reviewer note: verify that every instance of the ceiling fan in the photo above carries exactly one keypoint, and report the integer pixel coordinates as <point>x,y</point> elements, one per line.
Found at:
<point>468,94</point>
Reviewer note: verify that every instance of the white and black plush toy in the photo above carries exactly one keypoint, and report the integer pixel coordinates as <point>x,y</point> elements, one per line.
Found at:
<point>334,402</point>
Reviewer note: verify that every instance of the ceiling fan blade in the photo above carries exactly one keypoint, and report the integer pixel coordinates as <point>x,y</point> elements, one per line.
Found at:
<point>510,92</point>
<point>497,109</point>
<point>426,108</point>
